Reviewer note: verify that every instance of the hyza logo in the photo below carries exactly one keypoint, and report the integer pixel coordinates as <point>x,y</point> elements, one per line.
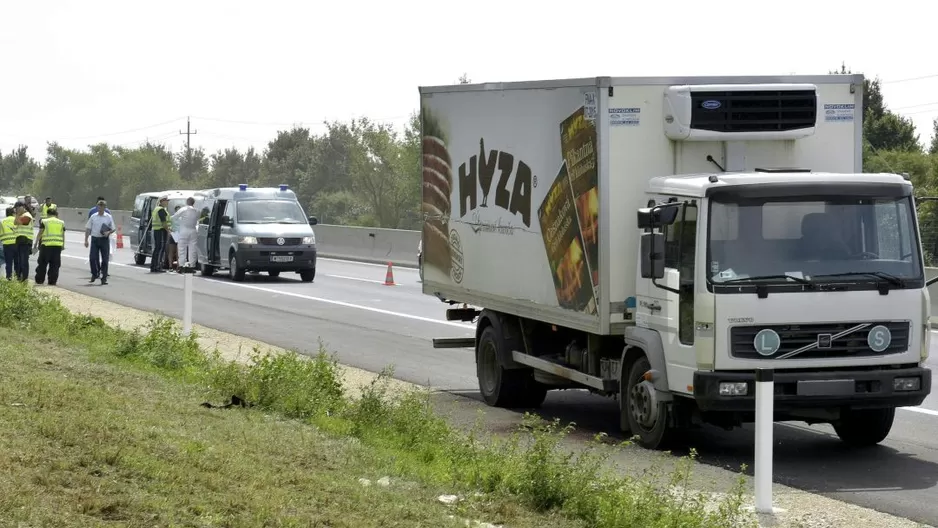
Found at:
<point>479,174</point>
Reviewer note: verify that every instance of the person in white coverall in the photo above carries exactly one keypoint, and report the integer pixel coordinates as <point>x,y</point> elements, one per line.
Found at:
<point>187,218</point>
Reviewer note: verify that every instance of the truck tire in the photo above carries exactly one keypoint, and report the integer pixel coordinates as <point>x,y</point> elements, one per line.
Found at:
<point>864,427</point>
<point>500,387</point>
<point>646,417</point>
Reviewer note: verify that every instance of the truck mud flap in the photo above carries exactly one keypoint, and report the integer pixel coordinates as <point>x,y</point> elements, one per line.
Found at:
<point>454,342</point>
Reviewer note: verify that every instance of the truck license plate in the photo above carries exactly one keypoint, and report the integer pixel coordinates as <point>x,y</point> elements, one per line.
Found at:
<point>281,258</point>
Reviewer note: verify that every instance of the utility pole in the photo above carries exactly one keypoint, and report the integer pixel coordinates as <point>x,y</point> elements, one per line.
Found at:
<point>188,133</point>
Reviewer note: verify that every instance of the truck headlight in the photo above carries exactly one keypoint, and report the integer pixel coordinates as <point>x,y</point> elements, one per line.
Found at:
<point>247,240</point>
<point>310,240</point>
<point>907,384</point>
<point>734,388</point>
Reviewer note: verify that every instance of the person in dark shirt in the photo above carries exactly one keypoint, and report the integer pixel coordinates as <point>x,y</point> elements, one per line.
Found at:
<point>94,208</point>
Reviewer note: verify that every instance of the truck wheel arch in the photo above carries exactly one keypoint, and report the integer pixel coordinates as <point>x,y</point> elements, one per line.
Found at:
<point>509,329</point>
<point>642,341</point>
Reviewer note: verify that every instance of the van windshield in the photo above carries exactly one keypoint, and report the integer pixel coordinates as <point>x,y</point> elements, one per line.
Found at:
<point>270,212</point>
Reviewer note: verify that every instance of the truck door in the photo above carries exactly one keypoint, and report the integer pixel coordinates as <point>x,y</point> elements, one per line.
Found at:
<point>679,262</point>
<point>145,228</point>
<point>213,242</point>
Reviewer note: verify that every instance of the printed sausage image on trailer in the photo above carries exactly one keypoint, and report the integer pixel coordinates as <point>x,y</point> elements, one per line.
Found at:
<point>437,189</point>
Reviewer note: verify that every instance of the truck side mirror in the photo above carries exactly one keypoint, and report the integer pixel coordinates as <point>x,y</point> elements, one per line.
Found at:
<point>313,220</point>
<point>658,216</point>
<point>652,252</point>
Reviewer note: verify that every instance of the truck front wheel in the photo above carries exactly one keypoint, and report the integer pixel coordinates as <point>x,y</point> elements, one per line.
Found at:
<point>864,427</point>
<point>501,387</point>
<point>645,416</point>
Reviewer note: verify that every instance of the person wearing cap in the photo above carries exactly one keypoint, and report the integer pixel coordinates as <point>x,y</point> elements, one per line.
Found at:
<point>160,222</point>
<point>24,240</point>
<point>51,242</point>
<point>99,227</point>
<point>8,238</point>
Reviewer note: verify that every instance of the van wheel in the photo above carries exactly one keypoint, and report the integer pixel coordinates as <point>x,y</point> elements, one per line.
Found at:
<point>275,273</point>
<point>207,271</point>
<point>236,273</point>
<point>647,417</point>
<point>140,259</point>
<point>501,387</point>
<point>864,427</point>
<point>308,275</point>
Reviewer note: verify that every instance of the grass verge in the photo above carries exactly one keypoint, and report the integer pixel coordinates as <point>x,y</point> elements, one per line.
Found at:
<point>122,437</point>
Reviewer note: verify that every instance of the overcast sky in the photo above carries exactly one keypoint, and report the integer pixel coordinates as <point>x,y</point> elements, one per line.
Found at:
<point>125,71</point>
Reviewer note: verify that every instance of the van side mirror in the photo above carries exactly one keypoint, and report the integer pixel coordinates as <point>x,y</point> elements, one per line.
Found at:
<point>652,253</point>
<point>313,220</point>
<point>226,220</point>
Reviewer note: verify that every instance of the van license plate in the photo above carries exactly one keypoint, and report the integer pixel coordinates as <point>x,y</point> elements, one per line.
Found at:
<point>281,258</point>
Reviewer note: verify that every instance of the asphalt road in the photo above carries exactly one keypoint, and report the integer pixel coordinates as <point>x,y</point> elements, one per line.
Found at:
<point>370,325</point>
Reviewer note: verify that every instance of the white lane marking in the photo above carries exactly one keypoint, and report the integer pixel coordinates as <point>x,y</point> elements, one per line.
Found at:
<point>349,305</point>
<point>353,278</point>
<point>920,410</point>
<point>372,264</point>
<point>319,299</point>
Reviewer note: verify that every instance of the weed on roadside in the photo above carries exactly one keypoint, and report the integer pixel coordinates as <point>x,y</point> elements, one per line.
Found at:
<point>401,431</point>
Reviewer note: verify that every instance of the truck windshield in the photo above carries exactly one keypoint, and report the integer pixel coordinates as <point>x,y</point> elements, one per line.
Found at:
<point>270,212</point>
<point>825,239</point>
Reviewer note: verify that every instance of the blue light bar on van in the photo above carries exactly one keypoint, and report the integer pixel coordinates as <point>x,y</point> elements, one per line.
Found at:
<point>283,187</point>
<point>243,187</point>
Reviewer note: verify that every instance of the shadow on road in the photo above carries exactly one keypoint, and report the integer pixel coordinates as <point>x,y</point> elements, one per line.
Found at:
<point>811,459</point>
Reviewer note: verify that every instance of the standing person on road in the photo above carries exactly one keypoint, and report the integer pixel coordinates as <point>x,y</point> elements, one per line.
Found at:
<point>160,222</point>
<point>172,247</point>
<point>99,227</point>
<point>93,211</point>
<point>51,242</point>
<point>8,238</point>
<point>186,220</point>
<point>24,240</point>
<point>44,210</point>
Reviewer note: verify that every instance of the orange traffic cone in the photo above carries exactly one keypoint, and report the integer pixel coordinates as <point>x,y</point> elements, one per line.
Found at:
<point>120,238</point>
<point>389,277</point>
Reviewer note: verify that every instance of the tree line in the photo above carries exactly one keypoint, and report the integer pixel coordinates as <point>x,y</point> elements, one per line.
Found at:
<point>363,172</point>
<point>359,172</point>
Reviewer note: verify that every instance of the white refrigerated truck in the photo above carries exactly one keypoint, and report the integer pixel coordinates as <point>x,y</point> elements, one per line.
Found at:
<point>659,240</point>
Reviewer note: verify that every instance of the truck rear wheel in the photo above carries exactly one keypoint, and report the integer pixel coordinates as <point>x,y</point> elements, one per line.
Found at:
<point>646,417</point>
<point>501,387</point>
<point>865,427</point>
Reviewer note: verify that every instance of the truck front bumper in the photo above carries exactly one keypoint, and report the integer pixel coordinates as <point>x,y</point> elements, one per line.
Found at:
<point>803,390</point>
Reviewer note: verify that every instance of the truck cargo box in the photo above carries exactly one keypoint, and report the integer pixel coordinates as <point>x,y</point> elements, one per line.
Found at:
<point>530,189</point>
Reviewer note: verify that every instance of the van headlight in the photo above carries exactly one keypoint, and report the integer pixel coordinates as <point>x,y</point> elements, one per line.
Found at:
<point>247,240</point>
<point>310,240</point>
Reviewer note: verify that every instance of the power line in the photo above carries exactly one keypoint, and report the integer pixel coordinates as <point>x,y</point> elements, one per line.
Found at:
<point>122,132</point>
<point>910,79</point>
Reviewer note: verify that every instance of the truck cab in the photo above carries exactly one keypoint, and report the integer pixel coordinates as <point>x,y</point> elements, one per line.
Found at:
<point>264,229</point>
<point>816,276</point>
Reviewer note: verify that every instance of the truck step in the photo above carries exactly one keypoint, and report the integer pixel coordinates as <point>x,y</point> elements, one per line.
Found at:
<point>565,372</point>
<point>454,342</point>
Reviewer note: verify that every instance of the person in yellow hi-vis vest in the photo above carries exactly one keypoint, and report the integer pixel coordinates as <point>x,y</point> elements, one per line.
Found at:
<point>51,242</point>
<point>8,238</point>
<point>44,210</point>
<point>24,240</point>
<point>159,221</point>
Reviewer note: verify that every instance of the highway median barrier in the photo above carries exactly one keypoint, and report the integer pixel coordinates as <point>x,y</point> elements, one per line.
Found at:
<point>401,431</point>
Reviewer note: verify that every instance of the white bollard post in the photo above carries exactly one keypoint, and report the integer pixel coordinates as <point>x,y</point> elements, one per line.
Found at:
<point>187,305</point>
<point>765,419</point>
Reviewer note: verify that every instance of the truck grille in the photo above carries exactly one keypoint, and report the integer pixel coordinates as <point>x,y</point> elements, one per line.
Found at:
<point>273,241</point>
<point>753,111</point>
<point>795,337</point>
